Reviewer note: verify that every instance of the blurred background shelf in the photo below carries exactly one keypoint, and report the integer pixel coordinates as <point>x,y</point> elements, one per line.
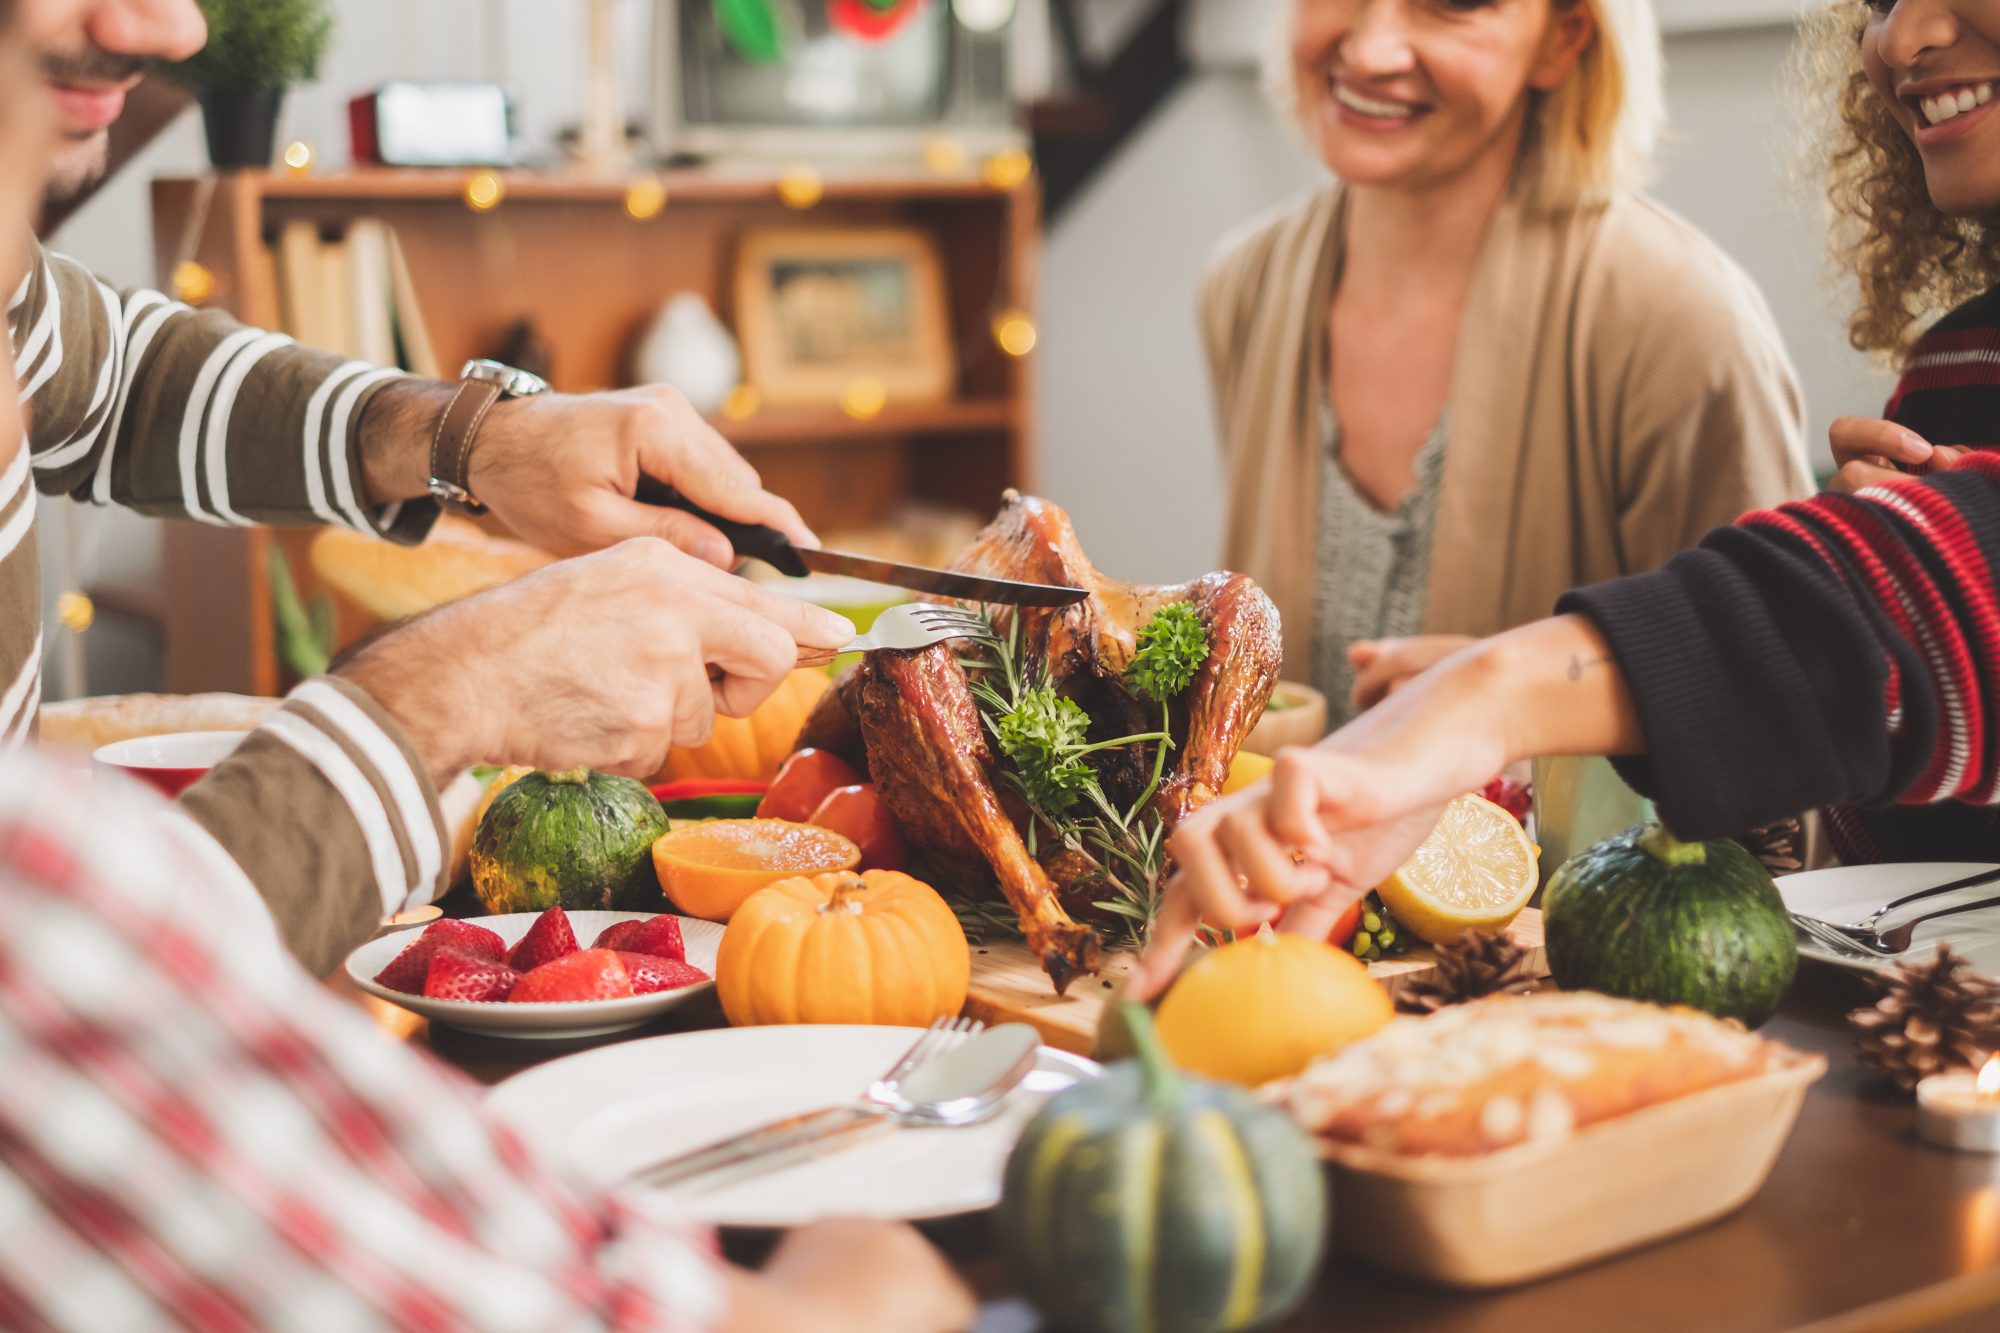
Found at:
<point>806,427</point>
<point>563,254</point>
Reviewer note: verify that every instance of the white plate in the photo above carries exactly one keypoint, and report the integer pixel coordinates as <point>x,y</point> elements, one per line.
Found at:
<point>1849,893</point>
<point>578,1018</point>
<point>617,1109</point>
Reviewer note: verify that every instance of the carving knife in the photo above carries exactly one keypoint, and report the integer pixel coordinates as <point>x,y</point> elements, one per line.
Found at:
<point>775,549</point>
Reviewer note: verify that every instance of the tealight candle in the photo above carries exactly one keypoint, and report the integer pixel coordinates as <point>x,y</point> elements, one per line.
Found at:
<point>416,916</point>
<point>1960,1109</point>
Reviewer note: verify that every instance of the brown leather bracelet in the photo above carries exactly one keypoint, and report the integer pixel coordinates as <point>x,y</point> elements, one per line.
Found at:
<point>451,447</point>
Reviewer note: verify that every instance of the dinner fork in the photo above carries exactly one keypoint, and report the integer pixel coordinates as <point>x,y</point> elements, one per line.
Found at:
<point>1873,920</point>
<point>906,627</point>
<point>1885,943</point>
<point>881,1101</point>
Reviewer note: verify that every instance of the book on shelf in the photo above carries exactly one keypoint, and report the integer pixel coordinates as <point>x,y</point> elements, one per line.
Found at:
<point>351,294</point>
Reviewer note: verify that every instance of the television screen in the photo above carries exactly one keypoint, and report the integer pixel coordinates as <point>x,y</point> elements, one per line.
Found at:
<point>824,74</point>
<point>753,75</point>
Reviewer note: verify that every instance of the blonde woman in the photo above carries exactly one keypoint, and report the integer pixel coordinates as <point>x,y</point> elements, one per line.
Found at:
<point>1481,367</point>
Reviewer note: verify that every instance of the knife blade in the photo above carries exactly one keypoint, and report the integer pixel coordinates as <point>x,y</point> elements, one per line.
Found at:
<point>775,549</point>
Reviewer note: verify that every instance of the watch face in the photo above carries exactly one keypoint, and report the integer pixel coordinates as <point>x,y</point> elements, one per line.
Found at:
<point>514,383</point>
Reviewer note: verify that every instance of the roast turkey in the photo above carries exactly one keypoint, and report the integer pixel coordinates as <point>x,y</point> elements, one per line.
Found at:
<point>910,720</point>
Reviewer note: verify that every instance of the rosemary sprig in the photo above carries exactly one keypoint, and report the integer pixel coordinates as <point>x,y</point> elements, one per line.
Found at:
<point>1043,740</point>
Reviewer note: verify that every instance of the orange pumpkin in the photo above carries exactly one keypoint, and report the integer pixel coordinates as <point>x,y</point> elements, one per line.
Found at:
<point>751,748</point>
<point>875,947</point>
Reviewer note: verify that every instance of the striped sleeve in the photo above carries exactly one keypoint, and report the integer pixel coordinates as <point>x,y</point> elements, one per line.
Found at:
<point>332,818</point>
<point>20,606</point>
<point>141,401</point>
<point>1839,651</point>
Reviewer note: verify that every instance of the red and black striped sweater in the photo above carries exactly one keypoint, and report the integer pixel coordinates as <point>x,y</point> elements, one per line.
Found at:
<point>1842,651</point>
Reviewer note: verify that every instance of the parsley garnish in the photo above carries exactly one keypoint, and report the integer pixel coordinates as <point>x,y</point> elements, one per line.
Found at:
<point>1172,647</point>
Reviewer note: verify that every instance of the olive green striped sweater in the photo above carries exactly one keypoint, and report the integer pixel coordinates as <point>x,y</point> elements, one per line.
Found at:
<point>138,400</point>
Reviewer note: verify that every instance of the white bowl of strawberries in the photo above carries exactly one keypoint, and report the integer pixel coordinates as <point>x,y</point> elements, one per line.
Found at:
<point>548,974</point>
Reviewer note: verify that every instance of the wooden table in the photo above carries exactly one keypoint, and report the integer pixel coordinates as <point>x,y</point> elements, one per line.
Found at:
<point>1860,1226</point>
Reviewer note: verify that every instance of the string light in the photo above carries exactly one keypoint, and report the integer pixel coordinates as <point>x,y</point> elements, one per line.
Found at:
<point>864,399</point>
<point>645,197</point>
<point>741,404</point>
<point>944,155</point>
<point>1006,170</point>
<point>483,192</point>
<point>76,612</point>
<point>801,188</point>
<point>193,283</point>
<point>1014,332</point>
<point>298,157</point>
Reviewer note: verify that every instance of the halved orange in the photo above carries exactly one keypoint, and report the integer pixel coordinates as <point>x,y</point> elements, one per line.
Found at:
<point>709,868</point>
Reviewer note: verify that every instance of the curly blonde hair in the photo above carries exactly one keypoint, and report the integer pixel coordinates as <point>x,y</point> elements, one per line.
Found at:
<point>1911,261</point>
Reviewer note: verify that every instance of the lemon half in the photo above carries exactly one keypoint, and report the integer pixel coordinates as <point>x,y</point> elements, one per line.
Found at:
<point>1475,871</point>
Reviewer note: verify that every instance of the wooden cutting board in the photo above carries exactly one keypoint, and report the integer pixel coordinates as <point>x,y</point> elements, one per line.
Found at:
<point>1009,986</point>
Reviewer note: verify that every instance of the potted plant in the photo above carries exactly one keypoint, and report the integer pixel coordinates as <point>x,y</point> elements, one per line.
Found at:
<point>256,49</point>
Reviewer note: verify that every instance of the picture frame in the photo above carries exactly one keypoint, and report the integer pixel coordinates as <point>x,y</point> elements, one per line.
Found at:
<point>818,310</point>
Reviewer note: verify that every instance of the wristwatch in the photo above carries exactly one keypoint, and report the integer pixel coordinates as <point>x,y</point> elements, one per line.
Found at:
<point>481,384</point>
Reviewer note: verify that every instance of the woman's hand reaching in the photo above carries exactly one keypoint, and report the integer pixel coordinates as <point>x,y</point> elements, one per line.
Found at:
<point>1868,451</point>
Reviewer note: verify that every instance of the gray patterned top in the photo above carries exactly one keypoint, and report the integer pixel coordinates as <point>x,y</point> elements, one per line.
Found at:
<point>1374,567</point>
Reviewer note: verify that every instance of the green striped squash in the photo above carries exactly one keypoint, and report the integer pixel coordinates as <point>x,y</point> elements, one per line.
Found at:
<point>578,840</point>
<point>1149,1202</point>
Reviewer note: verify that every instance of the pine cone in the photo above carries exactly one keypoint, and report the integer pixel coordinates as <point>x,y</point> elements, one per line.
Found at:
<point>1780,846</point>
<point>1476,965</point>
<point>1928,1016</point>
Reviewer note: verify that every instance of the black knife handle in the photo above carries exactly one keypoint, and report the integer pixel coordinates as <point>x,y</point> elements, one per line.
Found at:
<point>753,540</point>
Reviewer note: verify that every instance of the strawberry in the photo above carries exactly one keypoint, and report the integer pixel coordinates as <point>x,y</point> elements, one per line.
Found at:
<point>660,935</point>
<point>475,940</point>
<point>548,939</point>
<point>592,974</point>
<point>407,969</point>
<point>650,972</point>
<point>458,974</point>
<point>614,935</point>
<point>1517,799</point>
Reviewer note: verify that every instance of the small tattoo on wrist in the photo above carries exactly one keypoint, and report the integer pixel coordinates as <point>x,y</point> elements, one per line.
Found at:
<point>1578,664</point>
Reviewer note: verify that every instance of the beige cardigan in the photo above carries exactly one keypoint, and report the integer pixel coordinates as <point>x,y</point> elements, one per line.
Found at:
<point>1619,390</point>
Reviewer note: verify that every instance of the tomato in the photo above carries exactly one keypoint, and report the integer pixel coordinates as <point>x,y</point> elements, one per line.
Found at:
<point>859,814</point>
<point>803,782</point>
<point>1346,924</point>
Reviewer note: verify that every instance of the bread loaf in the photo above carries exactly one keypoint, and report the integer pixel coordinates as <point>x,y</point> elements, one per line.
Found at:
<point>394,582</point>
<point>1479,1077</point>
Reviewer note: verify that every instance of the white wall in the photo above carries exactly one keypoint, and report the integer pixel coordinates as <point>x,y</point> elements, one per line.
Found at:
<point>1127,437</point>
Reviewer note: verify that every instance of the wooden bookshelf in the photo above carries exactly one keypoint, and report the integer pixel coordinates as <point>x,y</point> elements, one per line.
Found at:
<point>564,253</point>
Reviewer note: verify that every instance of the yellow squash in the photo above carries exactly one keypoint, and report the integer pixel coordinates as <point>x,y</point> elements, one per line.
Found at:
<point>874,947</point>
<point>751,748</point>
<point>1267,1006</point>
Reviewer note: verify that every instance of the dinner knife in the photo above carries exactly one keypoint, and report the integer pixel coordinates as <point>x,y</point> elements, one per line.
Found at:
<point>775,549</point>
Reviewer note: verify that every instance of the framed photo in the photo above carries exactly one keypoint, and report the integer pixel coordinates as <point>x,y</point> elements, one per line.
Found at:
<point>817,310</point>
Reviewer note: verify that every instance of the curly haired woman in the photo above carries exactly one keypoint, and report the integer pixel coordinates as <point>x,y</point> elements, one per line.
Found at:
<point>1843,651</point>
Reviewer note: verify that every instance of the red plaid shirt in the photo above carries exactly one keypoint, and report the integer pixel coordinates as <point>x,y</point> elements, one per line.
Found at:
<point>195,1134</point>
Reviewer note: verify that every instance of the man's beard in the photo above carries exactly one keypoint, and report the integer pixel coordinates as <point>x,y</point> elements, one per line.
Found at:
<point>80,161</point>
<point>79,164</point>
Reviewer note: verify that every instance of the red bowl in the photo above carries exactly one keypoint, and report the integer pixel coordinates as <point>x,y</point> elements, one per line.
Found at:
<point>170,763</point>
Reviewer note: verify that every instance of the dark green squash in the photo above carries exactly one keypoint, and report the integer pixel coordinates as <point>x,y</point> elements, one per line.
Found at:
<point>1646,916</point>
<point>1149,1202</point>
<point>581,840</point>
